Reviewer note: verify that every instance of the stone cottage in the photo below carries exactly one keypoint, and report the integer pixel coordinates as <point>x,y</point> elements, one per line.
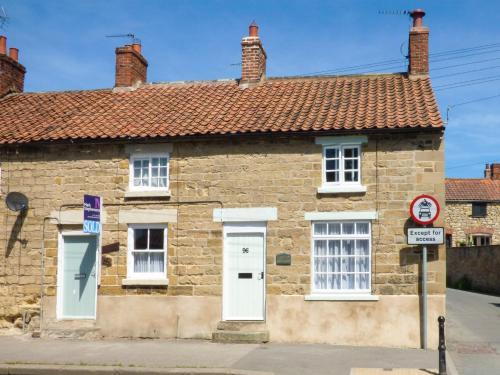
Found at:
<point>473,209</point>
<point>249,209</point>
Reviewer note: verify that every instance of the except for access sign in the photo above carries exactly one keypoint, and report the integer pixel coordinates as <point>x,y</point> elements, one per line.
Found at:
<point>424,209</point>
<point>425,236</point>
<point>91,214</point>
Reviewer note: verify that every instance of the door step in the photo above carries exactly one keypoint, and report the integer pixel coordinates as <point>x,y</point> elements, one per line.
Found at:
<point>241,332</point>
<point>72,329</point>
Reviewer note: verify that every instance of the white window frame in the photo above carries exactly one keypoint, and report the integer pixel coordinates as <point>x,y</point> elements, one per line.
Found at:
<point>319,292</point>
<point>131,275</point>
<point>341,169</point>
<point>149,156</point>
<point>475,237</point>
<point>340,144</point>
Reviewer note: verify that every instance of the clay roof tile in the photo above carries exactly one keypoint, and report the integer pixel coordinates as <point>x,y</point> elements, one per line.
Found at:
<point>169,110</point>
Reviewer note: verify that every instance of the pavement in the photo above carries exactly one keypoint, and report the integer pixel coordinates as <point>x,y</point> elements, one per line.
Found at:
<point>472,339</point>
<point>142,356</point>
<point>473,332</point>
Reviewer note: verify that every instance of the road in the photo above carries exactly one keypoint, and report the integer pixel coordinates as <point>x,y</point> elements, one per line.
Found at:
<point>473,332</point>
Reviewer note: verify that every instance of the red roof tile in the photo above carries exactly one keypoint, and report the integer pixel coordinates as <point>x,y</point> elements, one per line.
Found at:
<point>472,189</point>
<point>168,110</point>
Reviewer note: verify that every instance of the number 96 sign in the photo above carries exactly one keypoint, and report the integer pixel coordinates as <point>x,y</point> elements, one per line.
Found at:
<point>424,209</point>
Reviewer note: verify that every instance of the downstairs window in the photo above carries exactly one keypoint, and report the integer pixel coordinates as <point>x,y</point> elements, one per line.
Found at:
<point>341,257</point>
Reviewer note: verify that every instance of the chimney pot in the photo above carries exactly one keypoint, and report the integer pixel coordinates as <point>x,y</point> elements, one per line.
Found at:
<point>487,171</point>
<point>3,45</point>
<point>11,71</point>
<point>253,29</point>
<point>136,47</point>
<point>417,15</point>
<point>14,53</point>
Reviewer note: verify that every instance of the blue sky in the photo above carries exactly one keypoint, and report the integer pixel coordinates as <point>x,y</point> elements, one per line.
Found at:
<point>63,45</point>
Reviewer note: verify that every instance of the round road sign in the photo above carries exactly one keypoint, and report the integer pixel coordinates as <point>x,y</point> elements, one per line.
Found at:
<point>424,209</point>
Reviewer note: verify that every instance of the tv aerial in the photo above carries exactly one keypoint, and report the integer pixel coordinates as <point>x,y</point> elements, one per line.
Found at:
<point>397,12</point>
<point>133,39</point>
<point>3,18</point>
<point>16,201</point>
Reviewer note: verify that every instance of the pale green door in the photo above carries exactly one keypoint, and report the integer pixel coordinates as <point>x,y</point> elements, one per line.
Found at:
<point>79,279</point>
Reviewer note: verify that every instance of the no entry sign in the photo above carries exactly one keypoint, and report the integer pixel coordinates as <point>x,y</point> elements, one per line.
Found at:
<point>424,209</point>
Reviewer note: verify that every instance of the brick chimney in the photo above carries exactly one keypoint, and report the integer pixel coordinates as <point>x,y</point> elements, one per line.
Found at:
<point>11,71</point>
<point>131,66</point>
<point>253,57</point>
<point>495,171</point>
<point>418,45</point>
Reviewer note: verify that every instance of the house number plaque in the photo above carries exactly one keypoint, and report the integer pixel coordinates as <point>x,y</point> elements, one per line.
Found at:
<point>283,259</point>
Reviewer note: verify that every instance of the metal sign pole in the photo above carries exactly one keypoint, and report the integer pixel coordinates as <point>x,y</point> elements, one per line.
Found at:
<point>424,297</point>
<point>424,210</point>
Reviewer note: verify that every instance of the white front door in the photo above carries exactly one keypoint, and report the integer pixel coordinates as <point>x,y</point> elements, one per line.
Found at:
<point>244,273</point>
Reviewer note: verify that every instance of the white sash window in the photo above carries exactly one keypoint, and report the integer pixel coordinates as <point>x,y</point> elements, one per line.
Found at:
<point>149,172</point>
<point>341,164</point>
<point>341,257</point>
<point>147,252</point>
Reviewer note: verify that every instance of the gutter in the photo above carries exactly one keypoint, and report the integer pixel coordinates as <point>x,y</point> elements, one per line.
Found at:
<point>214,137</point>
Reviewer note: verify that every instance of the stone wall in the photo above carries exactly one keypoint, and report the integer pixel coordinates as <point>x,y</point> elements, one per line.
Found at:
<point>282,172</point>
<point>479,264</point>
<point>460,221</point>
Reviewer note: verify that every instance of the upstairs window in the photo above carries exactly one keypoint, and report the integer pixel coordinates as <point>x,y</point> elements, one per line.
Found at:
<point>479,209</point>
<point>149,172</point>
<point>341,164</point>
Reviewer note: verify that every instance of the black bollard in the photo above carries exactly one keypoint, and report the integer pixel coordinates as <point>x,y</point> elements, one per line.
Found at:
<point>442,347</point>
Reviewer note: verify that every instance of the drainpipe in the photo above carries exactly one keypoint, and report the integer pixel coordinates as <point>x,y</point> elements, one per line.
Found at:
<point>42,254</point>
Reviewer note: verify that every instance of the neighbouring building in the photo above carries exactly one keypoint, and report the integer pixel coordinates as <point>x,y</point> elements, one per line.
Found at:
<point>252,209</point>
<point>473,209</point>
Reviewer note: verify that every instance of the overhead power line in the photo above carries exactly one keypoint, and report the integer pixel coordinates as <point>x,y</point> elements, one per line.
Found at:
<point>465,64</point>
<point>474,101</point>
<point>465,72</point>
<point>463,50</point>
<point>433,57</point>
<point>467,102</point>
<point>471,82</point>
<point>461,57</point>
<point>464,165</point>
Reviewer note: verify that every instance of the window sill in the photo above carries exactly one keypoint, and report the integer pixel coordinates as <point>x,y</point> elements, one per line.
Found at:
<point>342,189</point>
<point>341,297</point>
<point>145,282</point>
<point>148,194</point>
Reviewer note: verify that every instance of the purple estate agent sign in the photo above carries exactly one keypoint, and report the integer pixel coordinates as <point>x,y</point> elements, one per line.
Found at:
<point>91,214</point>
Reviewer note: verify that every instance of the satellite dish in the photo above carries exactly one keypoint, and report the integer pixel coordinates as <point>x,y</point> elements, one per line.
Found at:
<point>16,201</point>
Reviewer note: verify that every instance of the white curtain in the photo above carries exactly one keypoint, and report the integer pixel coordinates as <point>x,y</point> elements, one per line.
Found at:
<point>362,247</point>
<point>362,281</point>
<point>362,228</point>
<point>156,262</point>
<point>140,262</point>
<point>148,262</point>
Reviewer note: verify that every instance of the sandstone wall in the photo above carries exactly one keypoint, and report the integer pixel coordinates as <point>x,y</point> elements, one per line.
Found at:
<point>479,264</point>
<point>282,172</point>
<point>460,220</point>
